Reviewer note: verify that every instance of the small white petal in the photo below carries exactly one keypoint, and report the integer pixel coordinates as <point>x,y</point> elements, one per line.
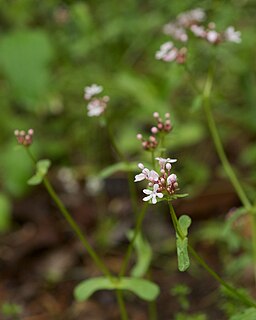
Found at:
<point>139,177</point>
<point>159,195</point>
<point>147,198</point>
<point>147,191</point>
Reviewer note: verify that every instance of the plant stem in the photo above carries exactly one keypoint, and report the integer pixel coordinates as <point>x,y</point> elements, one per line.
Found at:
<point>74,226</point>
<point>223,157</point>
<point>139,221</point>
<point>121,304</point>
<point>219,146</point>
<point>230,288</point>
<point>227,166</point>
<point>201,261</point>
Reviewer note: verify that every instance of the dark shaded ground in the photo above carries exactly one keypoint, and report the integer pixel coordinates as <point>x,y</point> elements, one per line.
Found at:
<point>41,261</point>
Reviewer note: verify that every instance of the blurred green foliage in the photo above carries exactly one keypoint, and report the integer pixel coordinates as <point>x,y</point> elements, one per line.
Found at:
<point>50,50</point>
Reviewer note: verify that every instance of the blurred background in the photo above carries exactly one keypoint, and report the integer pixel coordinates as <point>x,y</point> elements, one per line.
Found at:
<point>49,51</point>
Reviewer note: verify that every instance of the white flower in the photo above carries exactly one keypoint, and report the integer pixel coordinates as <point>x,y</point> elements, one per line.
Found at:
<point>171,55</point>
<point>198,31</point>
<point>187,18</point>
<point>212,36</point>
<point>91,91</point>
<point>171,179</point>
<point>231,35</point>
<point>164,49</point>
<point>150,175</point>
<point>96,107</point>
<point>152,194</point>
<point>177,32</point>
<point>164,161</point>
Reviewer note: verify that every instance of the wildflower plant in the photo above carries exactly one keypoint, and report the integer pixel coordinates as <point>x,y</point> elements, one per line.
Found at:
<point>159,177</point>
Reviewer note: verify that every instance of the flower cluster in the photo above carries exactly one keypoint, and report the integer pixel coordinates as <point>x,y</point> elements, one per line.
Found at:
<point>159,184</point>
<point>191,22</point>
<point>168,52</point>
<point>161,127</point>
<point>23,137</point>
<point>96,106</point>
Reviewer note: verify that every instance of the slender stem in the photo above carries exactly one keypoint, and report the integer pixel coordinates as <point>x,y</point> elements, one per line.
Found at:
<point>219,146</point>
<point>231,289</point>
<point>121,304</point>
<point>152,310</point>
<point>201,261</point>
<point>152,306</point>
<point>223,157</point>
<point>226,164</point>
<point>139,221</point>
<point>74,226</point>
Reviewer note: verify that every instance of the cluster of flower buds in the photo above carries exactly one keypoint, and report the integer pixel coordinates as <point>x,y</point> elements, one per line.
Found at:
<point>23,137</point>
<point>96,106</point>
<point>162,126</point>
<point>191,22</point>
<point>159,184</point>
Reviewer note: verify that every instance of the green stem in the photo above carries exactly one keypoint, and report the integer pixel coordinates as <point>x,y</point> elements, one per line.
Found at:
<point>223,157</point>
<point>201,261</point>
<point>75,228</point>
<point>139,221</point>
<point>72,223</point>
<point>230,288</point>
<point>226,164</point>
<point>121,304</point>
<point>219,146</point>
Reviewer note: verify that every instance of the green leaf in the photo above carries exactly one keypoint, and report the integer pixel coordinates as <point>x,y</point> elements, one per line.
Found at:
<point>120,166</point>
<point>184,222</point>
<point>144,255</point>
<point>182,253</point>
<point>144,289</point>
<point>24,59</point>
<point>42,167</point>
<point>248,314</point>
<point>35,179</point>
<point>178,195</point>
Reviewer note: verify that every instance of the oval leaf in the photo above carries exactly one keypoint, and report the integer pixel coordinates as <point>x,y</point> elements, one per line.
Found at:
<point>184,222</point>
<point>182,253</point>
<point>144,289</point>
<point>36,179</point>
<point>144,255</point>
<point>43,166</point>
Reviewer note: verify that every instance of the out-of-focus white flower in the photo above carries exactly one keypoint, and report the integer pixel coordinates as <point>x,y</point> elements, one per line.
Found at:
<point>152,194</point>
<point>91,91</point>
<point>212,36</point>
<point>164,161</point>
<point>198,31</point>
<point>176,31</point>
<point>190,17</point>
<point>164,49</point>
<point>97,106</point>
<point>231,35</point>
